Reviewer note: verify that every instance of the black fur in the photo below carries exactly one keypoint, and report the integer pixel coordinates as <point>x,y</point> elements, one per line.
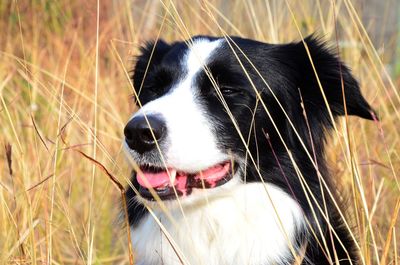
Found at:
<point>289,73</point>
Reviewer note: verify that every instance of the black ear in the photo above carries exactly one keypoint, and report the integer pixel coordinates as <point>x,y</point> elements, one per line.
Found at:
<point>332,75</point>
<point>151,55</point>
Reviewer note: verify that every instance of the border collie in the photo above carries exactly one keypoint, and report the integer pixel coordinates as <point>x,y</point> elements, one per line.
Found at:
<point>228,144</point>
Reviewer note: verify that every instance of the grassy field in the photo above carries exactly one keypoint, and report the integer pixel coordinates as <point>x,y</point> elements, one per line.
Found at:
<point>64,91</point>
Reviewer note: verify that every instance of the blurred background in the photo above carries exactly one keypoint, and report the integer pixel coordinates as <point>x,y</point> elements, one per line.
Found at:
<point>65,93</point>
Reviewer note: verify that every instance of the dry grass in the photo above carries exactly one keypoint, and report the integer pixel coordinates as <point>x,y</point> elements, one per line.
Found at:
<point>63,88</point>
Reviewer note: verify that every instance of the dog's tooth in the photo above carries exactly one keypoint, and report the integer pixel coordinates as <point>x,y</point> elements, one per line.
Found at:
<point>172,175</point>
<point>162,188</point>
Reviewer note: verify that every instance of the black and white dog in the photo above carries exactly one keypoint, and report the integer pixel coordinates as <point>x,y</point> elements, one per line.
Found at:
<point>229,140</point>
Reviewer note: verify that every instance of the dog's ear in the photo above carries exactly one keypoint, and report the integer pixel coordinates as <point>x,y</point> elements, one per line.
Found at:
<point>150,55</point>
<point>319,67</point>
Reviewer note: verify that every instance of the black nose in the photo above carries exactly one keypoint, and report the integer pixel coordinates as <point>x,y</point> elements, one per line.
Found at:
<point>142,135</point>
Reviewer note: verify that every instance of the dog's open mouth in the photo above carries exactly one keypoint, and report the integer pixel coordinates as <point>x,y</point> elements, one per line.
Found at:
<point>163,181</point>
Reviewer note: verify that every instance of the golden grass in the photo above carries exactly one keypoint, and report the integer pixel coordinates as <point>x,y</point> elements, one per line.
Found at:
<point>64,87</point>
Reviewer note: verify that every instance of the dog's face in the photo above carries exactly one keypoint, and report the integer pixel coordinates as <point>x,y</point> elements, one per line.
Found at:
<point>182,135</point>
<point>207,106</point>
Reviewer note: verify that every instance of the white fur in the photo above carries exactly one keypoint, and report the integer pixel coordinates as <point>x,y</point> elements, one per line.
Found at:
<point>238,226</point>
<point>190,146</point>
<point>234,223</point>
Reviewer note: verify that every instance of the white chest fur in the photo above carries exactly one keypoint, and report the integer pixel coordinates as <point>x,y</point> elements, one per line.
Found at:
<point>242,226</point>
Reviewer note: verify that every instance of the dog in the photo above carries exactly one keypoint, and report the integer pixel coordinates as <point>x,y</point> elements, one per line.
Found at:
<point>229,147</point>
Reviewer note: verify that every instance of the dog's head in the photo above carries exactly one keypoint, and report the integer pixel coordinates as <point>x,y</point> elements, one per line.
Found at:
<point>211,108</point>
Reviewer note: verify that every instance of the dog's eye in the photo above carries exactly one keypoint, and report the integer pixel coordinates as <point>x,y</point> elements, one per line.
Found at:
<point>158,86</point>
<point>157,83</point>
<point>229,90</point>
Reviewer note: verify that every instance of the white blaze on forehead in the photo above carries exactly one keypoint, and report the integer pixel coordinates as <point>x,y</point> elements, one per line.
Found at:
<point>198,53</point>
<point>191,144</point>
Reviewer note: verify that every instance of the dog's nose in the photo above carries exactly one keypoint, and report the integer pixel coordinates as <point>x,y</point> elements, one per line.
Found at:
<point>142,135</point>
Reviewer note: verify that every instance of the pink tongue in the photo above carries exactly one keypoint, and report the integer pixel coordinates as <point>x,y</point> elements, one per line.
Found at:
<point>160,179</point>
<point>214,173</point>
<point>154,180</point>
